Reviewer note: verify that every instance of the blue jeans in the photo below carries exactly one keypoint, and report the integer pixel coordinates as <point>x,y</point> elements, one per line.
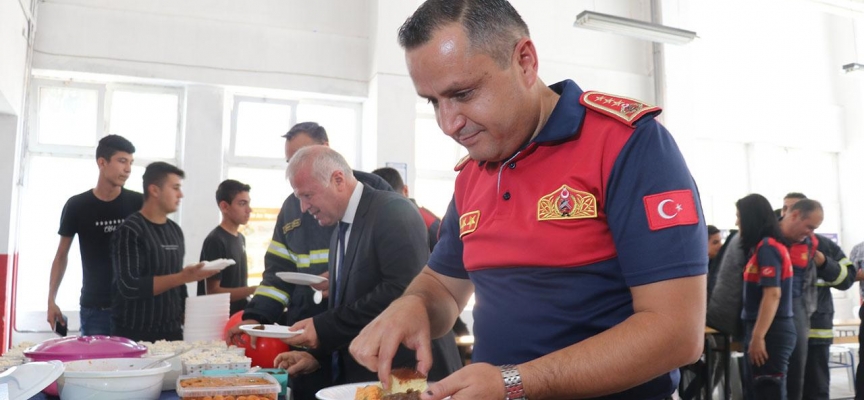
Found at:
<point>95,321</point>
<point>769,380</point>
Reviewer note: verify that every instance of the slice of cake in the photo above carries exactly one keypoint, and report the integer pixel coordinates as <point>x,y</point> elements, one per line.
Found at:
<point>404,380</point>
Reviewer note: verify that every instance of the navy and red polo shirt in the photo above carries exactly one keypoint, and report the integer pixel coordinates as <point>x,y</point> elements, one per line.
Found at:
<point>770,266</point>
<point>801,254</point>
<point>555,237</point>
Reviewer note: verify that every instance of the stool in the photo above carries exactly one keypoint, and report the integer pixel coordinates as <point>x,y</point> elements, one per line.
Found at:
<point>840,352</point>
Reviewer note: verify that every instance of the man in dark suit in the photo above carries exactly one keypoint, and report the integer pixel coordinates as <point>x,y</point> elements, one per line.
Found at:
<point>378,248</point>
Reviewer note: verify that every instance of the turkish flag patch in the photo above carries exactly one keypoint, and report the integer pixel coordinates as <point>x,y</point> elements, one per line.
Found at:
<point>670,209</point>
<point>769,272</point>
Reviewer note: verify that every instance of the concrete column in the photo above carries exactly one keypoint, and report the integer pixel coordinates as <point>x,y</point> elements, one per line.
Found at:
<point>203,152</point>
<point>390,113</point>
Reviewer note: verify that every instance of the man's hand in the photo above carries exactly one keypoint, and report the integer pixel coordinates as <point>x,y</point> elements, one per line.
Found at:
<point>309,337</point>
<point>323,287</point>
<point>404,322</point>
<point>819,258</point>
<point>476,381</point>
<point>54,314</point>
<point>195,273</point>
<point>296,363</point>
<point>235,335</point>
<point>859,275</point>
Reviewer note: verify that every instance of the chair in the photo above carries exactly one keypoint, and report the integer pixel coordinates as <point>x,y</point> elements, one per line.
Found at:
<point>841,352</point>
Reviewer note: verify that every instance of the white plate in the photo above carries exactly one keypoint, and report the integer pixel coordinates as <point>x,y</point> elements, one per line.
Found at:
<point>270,331</point>
<point>341,392</point>
<point>298,278</point>
<point>218,265</point>
<point>25,381</point>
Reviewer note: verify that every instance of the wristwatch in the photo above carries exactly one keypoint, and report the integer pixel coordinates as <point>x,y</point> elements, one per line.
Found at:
<point>512,383</point>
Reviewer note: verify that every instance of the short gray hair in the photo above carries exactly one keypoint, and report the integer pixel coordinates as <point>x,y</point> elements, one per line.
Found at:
<point>324,162</point>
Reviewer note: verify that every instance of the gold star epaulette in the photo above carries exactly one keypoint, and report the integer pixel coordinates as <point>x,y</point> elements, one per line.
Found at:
<point>462,163</point>
<point>623,109</point>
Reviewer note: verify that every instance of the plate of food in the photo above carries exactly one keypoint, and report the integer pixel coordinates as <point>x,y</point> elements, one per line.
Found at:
<point>407,384</point>
<point>298,278</point>
<point>218,264</point>
<point>269,331</point>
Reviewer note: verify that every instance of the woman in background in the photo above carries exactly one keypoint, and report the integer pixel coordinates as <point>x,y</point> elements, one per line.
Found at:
<point>767,312</point>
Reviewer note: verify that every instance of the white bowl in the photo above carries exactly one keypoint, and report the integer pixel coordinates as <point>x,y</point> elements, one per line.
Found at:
<point>112,379</point>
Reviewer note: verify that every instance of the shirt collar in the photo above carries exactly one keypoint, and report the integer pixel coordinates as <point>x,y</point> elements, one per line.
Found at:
<point>353,203</point>
<point>566,117</point>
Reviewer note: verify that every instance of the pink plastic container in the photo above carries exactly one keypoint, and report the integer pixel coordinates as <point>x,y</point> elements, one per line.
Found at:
<point>73,348</point>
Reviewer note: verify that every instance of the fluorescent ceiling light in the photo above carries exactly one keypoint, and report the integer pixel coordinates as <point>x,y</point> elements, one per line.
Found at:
<point>853,67</point>
<point>633,28</point>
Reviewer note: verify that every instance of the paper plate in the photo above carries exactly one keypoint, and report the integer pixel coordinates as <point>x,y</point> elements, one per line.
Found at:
<point>341,392</point>
<point>270,331</point>
<point>218,265</point>
<point>300,279</point>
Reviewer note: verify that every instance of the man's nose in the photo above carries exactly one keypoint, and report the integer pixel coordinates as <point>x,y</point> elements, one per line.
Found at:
<point>450,118</point>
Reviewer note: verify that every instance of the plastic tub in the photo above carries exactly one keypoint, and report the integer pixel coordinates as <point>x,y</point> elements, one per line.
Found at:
<point>73,348</point>
<point>263,386</point>
<point>112,379</point>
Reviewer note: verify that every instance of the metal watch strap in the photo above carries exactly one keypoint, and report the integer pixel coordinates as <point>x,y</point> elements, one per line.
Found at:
<point>512,383</point>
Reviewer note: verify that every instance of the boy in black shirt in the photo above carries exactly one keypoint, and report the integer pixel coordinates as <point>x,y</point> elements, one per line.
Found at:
<point>147,255</point>
<point>225,241</point>
<point>93,216</point>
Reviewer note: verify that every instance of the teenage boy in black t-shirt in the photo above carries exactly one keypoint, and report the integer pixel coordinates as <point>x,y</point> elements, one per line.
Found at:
<point>225,241</point>
<point>93,216</point>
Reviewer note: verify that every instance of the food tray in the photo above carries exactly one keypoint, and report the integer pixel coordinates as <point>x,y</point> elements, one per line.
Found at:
<point>199,387</point>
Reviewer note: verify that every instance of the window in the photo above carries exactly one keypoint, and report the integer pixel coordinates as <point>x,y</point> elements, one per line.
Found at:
<point>257,157</point>
<point>66,122</point>
<point>435,156</point>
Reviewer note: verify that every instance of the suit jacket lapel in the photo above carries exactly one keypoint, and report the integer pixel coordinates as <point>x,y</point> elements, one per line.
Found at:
<point>356,230</point>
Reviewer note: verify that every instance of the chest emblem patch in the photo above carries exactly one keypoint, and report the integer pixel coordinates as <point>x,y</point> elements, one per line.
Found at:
<point>468,222</point>
<point>566,203</point>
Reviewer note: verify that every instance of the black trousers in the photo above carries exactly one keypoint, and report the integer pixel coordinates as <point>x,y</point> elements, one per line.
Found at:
<point>817,378</point>
<point>859,377</point>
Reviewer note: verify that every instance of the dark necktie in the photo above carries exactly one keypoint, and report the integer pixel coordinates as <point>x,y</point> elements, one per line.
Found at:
<point>340,246</point>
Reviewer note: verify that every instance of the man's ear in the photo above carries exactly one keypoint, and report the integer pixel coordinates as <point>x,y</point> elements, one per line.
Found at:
<point>525,58</point>
<point>153,190</point>
<point>223,206</point>
<point>101,162</point>
<point>338,179</point>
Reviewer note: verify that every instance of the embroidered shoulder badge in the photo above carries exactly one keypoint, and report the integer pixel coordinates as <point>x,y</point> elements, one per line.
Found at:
<point>623,109</point>
<point>290,226</point>
<point>462,163</point>
<point>566,203</point>
<point>468,222</point>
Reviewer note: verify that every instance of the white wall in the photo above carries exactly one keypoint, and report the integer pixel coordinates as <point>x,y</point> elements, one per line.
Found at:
<point>13,52</point>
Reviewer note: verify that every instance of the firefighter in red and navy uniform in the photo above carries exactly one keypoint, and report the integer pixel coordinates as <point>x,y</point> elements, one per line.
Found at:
<point>575,223</point>
<point>797,225</point>
<point>767,301</point>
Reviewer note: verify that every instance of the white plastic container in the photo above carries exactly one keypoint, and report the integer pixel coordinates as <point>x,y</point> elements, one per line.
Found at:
<point>112,379</point>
